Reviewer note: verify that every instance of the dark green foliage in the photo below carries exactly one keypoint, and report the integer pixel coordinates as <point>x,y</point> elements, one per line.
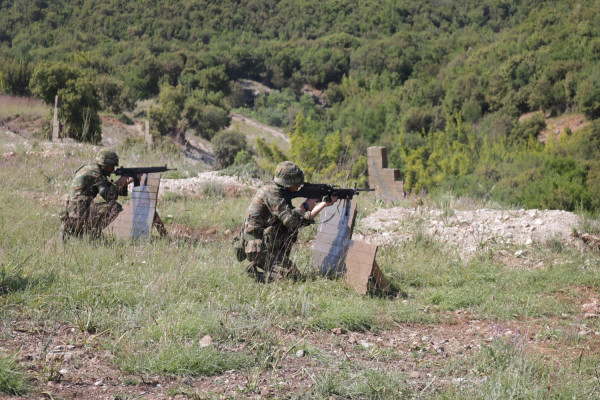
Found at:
<point>206,113</point>
<point>227,144</point>
<point>589,96</point>
<point>165,118</point>
<point>386,72</point>
<point>80,102</point>
<point>15,77</point>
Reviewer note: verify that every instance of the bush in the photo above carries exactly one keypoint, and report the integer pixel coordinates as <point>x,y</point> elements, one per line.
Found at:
<point>80,103</point>
<point>227,144</point>
<point>15,77</point>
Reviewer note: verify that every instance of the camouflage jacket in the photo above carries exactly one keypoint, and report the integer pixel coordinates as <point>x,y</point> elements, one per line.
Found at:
<point>88,182</point>
<point>272,219</point>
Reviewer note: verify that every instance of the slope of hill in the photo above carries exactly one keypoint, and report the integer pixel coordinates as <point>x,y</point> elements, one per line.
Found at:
<point>442,84</point>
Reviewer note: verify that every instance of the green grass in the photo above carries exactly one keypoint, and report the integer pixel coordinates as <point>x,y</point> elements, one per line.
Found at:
<point>13,379</point>
<point>150,304</point>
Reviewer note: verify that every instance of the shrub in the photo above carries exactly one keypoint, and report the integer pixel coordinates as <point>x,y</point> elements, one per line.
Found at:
<point>227,144</point>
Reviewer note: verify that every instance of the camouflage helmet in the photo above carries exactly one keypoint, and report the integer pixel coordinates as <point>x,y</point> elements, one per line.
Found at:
<point>288,175</point>
<point>107,157</point>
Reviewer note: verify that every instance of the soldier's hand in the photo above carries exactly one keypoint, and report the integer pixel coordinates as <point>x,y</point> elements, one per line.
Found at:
<point>331,202</point>
<point>124,181</point>
<point>311,203</point>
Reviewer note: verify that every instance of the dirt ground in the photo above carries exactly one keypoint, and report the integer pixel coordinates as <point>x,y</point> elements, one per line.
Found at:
<point>76,368</point>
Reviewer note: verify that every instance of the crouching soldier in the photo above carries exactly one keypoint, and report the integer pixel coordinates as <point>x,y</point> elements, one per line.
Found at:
<point>82,214</point>
<point>272,223</point>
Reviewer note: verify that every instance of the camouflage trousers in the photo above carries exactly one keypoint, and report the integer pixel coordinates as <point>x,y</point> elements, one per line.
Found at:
<point>271,266</point>
<point>89,218</point>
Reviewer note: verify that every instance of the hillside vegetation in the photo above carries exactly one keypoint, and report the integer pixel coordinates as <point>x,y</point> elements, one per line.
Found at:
<point>441,83</point>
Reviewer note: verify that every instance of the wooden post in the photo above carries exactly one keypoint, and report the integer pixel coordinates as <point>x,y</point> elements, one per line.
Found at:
<point>56,125</point>
<point>149,137</point>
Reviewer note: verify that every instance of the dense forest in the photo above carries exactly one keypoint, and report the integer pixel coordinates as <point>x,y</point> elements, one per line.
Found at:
<point>442,83</point>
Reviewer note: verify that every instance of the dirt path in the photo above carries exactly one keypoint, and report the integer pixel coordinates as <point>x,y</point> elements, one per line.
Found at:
<point>273,131</point>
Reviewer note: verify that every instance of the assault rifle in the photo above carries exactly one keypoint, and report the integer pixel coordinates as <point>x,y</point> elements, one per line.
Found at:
<point>320,190</point>
<point>135,172</point>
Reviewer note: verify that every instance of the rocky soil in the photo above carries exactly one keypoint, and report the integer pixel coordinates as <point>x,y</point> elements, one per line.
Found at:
<point>468,231</point>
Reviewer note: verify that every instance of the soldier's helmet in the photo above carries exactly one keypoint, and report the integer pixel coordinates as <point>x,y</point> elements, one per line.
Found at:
<point>288,175</point>
<point>107,157</point>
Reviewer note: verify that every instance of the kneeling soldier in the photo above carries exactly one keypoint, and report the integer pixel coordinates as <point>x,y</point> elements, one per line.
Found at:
<point>82,214</point>
<point>272,224</point>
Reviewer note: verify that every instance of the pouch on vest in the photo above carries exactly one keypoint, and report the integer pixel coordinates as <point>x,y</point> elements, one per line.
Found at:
<point>239,247</point>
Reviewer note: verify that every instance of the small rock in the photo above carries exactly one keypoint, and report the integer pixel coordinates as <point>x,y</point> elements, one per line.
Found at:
<point>529,241</point>
<point>98,383</point>
<point>205,341</point>
<point>338,331</point>
<point>300,353</point>
<point>519,253</point>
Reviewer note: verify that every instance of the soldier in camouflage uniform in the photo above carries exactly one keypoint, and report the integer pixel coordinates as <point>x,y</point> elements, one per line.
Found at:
<point>272,224</point>
<point>82,214</point>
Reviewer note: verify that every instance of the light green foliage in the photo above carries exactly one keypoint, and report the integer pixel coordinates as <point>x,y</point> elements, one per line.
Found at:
<point>305,147</point>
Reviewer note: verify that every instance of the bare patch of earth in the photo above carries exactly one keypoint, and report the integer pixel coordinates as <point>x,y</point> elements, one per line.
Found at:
<point>558,125</point>
<point>273,131</point>
<point>68,363</point>
<point>210,180</point>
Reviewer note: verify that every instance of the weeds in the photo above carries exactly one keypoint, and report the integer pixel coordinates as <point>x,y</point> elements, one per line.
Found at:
<point>13,379</point>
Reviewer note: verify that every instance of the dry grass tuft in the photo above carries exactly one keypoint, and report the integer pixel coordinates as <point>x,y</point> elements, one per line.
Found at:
<point>14,106</point>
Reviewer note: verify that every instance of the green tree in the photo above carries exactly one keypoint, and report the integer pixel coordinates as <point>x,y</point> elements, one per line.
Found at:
<point>227,144</point>
<point>167,117</point>
<point>80,102</point>
<point>589,97</point>
<point>206,113</point>
<point>15,77</point>
<point>304,147</point>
